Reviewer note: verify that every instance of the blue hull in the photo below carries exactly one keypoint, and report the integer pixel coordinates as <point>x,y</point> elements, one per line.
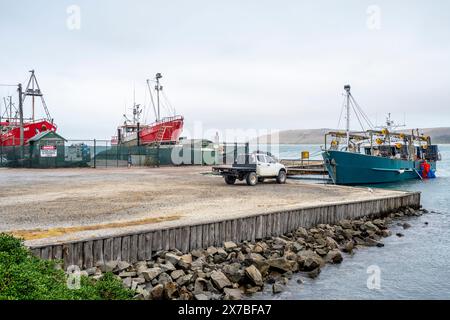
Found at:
<point>349,168</point>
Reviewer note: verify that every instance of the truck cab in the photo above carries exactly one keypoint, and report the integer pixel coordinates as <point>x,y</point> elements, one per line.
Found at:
<point>253,167</point>
<point>267,166</point>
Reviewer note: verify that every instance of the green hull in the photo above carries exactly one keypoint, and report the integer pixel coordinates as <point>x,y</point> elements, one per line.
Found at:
<point>349,168</point>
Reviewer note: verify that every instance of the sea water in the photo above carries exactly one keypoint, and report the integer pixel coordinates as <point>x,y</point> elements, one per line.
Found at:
<point>416,266</point>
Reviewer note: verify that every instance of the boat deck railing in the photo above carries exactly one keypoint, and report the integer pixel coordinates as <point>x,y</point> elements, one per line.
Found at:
<point>167,119</point>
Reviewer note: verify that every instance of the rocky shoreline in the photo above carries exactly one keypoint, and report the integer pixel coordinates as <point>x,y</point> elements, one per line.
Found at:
<point>235,270</point>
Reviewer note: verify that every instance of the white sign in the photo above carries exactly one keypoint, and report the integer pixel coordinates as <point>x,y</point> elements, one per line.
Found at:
<point>49,152</point>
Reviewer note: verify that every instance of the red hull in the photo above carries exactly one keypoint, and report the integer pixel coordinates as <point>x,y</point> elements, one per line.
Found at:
<point>163,131</point>
<point>30,129</point>
<point>167,130</point>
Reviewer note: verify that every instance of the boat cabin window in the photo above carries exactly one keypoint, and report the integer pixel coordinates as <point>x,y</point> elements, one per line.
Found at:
<point>130,129</point>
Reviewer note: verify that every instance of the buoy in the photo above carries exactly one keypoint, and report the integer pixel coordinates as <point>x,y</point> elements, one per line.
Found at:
<point>425,169</point>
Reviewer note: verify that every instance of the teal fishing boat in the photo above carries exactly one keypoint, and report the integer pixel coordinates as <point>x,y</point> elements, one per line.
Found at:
<point>378,154</point>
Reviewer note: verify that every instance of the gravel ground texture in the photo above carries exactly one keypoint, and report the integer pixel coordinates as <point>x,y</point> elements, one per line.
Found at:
<point>66,204</point>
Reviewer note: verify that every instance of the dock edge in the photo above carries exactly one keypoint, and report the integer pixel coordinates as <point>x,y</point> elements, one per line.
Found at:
<point>141,245</point>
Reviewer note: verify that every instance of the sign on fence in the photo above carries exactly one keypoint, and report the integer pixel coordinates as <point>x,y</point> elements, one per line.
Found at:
<point>49,152</point>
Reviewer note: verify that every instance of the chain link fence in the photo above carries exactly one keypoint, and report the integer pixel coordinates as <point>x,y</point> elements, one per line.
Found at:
<point>101,154</point>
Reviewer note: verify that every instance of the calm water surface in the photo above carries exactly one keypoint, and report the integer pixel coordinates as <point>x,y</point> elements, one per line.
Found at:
<point>416,266</point>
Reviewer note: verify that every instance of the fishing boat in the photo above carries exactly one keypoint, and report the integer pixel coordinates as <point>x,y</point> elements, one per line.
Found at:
<point>377,154</point>
<point>13,121</point>
<point>164,130</point>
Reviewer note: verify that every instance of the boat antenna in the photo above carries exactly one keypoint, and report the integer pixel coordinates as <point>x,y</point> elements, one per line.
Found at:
<point>390,124</point>
<point>158,88</point>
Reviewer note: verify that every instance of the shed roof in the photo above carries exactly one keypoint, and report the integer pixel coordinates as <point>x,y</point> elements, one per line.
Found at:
<point>43,134</point>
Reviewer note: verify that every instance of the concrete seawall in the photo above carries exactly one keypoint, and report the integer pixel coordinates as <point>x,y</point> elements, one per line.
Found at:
<point>135,246</point>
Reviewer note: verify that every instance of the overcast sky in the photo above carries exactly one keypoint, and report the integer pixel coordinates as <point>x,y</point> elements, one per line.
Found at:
<point>231,64</point>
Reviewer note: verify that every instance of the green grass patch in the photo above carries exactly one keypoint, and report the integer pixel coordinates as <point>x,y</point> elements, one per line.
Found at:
<point>25,277</point>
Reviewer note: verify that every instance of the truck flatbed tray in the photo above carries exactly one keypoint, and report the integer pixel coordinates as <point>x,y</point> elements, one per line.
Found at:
<point>225,167</point>
<point>233,168</point>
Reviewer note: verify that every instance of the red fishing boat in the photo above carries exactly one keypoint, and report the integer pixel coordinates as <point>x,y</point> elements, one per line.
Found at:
<point>10,135</point>
<point>165,130</point>
<point>12,118</point>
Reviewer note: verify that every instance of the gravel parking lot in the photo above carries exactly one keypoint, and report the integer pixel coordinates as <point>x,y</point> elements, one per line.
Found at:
<point>46,203</point>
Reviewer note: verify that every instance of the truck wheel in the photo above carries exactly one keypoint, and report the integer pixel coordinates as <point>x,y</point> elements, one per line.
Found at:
<point>252,179</point>
<point>230,179</point>
<point>261,179</point>
<point>281,178</point>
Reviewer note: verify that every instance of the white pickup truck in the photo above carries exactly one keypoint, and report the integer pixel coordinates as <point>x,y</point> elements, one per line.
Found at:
<point>254,168</point>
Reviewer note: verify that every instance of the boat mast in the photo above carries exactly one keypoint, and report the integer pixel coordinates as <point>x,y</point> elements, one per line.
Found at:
<point>20,93</point>
<point>34,90</point>
<point>136,110</point>
<point>347,89</point>
<point>32,99</point>
<point>158,88</point>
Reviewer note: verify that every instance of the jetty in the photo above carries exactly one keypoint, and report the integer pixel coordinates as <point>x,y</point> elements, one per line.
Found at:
<point>89,216</point>
<point>299,167</point>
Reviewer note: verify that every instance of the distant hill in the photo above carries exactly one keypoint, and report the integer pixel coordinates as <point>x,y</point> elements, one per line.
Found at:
<point>298,136</point>
<point>316,136</point>
<point>438,135</point>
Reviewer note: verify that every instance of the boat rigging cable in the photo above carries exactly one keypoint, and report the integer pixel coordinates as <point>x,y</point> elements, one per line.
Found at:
<point>169,106</point>
<point>151,99</point>
<point>357,117</point>
<point>360,114</point>
<point>361,111</point>
<point>9,106</point>
<point>342,111</point>
<point>165,103</point>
